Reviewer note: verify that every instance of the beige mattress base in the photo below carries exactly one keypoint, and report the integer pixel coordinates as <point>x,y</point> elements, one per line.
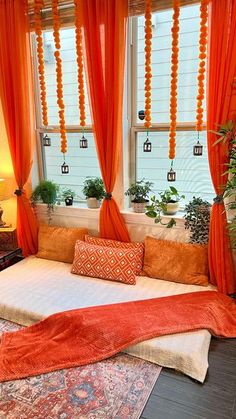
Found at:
<point>35,288</point>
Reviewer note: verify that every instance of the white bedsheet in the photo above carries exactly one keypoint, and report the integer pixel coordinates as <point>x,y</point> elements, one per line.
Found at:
<point>35,288</point>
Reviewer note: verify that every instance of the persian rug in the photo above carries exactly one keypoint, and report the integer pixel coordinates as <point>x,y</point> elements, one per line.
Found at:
<point>116,388</point>
<point>87,335</point>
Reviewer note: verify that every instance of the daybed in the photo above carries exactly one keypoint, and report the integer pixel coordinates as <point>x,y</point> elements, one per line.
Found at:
<point>35,288</point>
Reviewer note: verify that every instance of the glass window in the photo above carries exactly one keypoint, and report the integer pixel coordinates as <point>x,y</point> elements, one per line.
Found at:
<point>192,172</point>
<point>82,162</point>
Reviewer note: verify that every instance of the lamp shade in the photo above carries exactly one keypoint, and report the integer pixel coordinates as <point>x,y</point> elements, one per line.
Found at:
<point>4,189</point>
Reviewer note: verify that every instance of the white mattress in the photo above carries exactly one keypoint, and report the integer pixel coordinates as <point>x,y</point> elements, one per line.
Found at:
<point>35,288</point>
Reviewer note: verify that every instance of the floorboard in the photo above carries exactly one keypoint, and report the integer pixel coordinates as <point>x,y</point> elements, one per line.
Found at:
<point>176,396</point>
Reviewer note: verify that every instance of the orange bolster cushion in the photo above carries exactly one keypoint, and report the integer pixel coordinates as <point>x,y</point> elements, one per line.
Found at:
<point>178,262</point>
<point>104,262</point>
<point>136,246</point>
<point>58,243</point>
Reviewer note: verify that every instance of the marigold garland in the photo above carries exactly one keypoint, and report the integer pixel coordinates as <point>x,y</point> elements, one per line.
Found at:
<point>38,6</point>
<point>60,102</point>
<point>202,63</point>
<point>148,68</point>
<point>79,53</point>
<point>174,78</point>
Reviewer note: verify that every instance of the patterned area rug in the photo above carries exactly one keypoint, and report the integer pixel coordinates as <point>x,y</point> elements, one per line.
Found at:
<point>115,388</point>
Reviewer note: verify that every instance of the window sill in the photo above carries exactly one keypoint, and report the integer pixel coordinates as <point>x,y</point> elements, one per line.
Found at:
<point>130,217</point>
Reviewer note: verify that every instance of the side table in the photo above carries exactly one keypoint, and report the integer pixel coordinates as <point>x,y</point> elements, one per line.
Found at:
<point>8,239</point>
<point>9,257</point>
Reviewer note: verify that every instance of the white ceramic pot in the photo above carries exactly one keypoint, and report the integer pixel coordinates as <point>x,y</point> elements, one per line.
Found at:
<point>139,206</point>
<point>171,208</point>
<point>93,203</point>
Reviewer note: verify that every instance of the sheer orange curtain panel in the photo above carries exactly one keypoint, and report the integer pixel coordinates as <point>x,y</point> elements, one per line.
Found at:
<point>16,94</point>
<point>104,29</point>
<point>221,74</point>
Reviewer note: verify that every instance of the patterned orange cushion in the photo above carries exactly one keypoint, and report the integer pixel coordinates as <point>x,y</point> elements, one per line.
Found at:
<point>58,243</point>
<point>104,262</point>
<point>178,262</point>
<point>137,247</point>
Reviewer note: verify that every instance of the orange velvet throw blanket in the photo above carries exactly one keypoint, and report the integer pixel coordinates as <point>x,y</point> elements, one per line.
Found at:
<point>88,335</point>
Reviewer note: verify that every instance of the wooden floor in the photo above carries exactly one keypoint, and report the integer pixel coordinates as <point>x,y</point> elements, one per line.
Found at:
<point>176,396</point>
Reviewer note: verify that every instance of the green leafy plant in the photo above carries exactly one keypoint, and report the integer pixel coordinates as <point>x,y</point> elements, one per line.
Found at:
<point>159,206</point>
<point>170,195</point>
<point>66,192</point>
<point>197,220</point>
<point>94,188</point>
<point>227,136</point>
<point>46,191</point>
<point>139,190</point>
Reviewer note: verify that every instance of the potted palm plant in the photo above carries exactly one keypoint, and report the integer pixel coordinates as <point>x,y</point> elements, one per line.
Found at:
<point>227,136</point>
<point>139,192</point>
<point>94,191</point>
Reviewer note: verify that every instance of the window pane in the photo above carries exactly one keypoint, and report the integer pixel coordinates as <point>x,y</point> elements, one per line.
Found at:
<point>70,81</point>
<point>192,172</point>
<point>161,64</point>
<point>82,162</point>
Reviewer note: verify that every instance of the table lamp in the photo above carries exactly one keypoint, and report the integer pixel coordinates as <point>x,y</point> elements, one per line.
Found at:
<point>3,196</point>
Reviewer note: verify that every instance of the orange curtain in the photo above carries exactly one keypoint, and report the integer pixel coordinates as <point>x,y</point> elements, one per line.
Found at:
<point>16,97</point>
<point>104,28</point>
<point>221,72</point>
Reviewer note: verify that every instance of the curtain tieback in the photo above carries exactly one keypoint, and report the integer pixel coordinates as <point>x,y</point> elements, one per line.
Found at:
<point>18,192</point>
<point>108,196</point>
<point>218,199</point>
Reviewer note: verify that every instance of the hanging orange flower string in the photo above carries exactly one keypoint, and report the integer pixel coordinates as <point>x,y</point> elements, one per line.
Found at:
<point>60,102</point>
<point>174,78</point>
<point>38,6</point>
<point>148,70</point>
<point>174,87</point>
<point>79,53</point>
<point>201,71</point>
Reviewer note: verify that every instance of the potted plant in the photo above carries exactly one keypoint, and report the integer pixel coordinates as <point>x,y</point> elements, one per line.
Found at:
<point>197,220</point>
<point>227,134</point>
<point>170,198</point>
<point>68,196</point>
<point>139,191</point>
<point>46,191</point>
<point>94,191</point>
<point>168,204</point>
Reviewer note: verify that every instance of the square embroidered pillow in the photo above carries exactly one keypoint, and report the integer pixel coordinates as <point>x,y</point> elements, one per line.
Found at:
<point>137,247</point>
<point>58,243</point>
<point>178,262</point>
<point>104,262</point>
